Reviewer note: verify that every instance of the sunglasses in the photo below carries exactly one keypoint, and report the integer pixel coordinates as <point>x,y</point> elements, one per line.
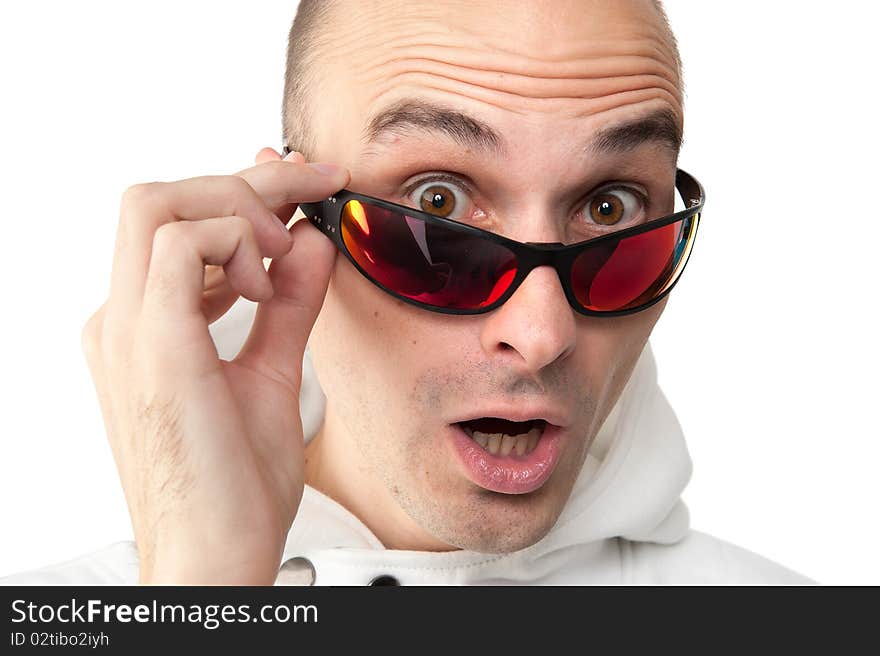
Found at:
<point>442,265</point>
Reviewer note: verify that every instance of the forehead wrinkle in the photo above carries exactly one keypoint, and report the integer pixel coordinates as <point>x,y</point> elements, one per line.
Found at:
<point>428,45</point>
<point>559,108</point>
<point>621,74</point>
<point>579,63</point>
<point>547,38</point>
<point>625,80</point>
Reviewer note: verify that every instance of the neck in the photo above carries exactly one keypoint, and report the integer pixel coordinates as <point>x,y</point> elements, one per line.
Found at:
<point>334,467</point>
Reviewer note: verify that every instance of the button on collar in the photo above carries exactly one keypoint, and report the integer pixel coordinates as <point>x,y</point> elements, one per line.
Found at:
<point>384,579</point>
<point>296,571</point>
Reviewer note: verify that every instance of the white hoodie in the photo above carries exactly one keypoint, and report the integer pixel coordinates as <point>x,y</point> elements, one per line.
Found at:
<point>625,522</point>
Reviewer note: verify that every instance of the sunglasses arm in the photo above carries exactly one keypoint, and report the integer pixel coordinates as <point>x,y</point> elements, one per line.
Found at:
<point>311,209</point>
<point>325,217</point>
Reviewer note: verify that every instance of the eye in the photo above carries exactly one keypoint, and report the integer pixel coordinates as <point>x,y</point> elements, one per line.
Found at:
<point>440,199</point>
<point>614,206</point>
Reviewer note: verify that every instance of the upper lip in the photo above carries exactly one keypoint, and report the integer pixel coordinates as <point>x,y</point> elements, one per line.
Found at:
<point>522,412</point>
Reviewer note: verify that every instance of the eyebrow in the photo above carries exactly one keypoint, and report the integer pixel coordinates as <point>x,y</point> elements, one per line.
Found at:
<point>660,127</point>
<point>408,115</point>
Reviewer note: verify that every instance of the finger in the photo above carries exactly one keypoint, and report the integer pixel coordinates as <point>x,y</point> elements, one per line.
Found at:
<point>95,348</point>
<point>285,212</point>
<point>266,154</point>
<point>219,295</point>
<point>91,341</point>
<point>279,182</point>
<point>175,281</point>
<point>215,277</point>
<point>216,302</point>
<point>282,324</point>
<point>146,207</point>
<point>283,200</point>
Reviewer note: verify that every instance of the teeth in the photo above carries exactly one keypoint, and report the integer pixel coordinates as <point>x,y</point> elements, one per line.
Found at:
<point>504,445</point>
<point>533,437</point>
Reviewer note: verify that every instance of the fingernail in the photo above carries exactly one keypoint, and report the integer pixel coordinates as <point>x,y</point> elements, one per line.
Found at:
<point>283,228</point>
<point>326,169</point>
<point>291,155</point>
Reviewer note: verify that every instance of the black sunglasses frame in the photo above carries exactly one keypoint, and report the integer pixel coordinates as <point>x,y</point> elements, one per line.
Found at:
<point>326,216</point>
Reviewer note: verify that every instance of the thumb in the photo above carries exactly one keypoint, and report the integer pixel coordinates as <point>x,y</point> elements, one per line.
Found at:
<point>283,323</point>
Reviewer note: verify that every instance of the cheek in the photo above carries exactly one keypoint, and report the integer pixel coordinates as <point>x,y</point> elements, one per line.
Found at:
<point>610,347</point>
<point>367,346</point>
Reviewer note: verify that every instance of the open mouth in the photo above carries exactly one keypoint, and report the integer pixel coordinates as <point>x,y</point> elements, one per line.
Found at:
<point>511,457</point>
<point>501,437</point>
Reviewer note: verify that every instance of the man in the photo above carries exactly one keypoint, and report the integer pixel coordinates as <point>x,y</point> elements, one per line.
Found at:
<point>487,420</point>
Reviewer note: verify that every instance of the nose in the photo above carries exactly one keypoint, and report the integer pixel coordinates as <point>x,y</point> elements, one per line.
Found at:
<point>536,325</point>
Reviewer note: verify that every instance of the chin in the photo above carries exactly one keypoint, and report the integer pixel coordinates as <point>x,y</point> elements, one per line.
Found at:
<point>504,546</point>
<point>494,523</point>
<point>505,539</point>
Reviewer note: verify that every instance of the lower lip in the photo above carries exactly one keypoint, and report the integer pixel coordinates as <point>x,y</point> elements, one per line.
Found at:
<point>510,474</point>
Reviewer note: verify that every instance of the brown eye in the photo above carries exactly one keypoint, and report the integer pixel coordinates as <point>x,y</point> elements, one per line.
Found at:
<point>606,209</point>
<point>437,200</point>
<point>613,206</point>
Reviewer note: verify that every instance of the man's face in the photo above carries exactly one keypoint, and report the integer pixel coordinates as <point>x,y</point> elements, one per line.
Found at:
<point>545,77</point>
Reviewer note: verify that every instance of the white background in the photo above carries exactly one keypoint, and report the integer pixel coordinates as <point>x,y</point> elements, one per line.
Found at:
<point>767,350</point>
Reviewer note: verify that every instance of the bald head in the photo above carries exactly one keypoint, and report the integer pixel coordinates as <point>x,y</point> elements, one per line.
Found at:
<point>318,21</point>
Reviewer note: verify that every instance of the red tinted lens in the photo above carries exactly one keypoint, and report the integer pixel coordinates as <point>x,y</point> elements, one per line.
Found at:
<point>622,274</point>
<point>424,261</point>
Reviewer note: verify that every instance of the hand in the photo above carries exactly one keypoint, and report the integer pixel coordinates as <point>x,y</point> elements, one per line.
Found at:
<point>209,451</point>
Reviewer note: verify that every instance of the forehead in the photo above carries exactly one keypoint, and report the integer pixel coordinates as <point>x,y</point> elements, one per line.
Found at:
<point>543,75</point>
